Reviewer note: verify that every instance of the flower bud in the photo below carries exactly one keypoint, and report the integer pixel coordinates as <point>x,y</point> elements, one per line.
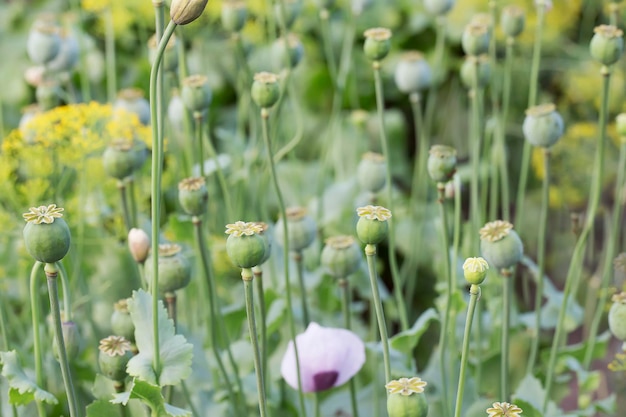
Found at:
<point>377,43</point>
<point>183,12</point>
<point>617,316</point>
<point>193,196</point>
<point>121,322</point>
<point>438,7</point>
<point>500,245</point>
<point>71,340</point>
<point>475,270</point>
<point>48,95</point>
<point>119,159</point>
<point>46,235</point>
<point>288,50</point>
<point>341,256</point>
<point>244,246</point>
<point>114,354</point>
<point>169,62</point>
<point>413,73</point>
<point>371,172</point>
<point>441,164</point>
<point>607,44</point>
<point>302,229</point>
<point>174,268</point>
<point>543,125</point>
<point>291,8</point>
<point>234,15</point>
<point>132,100</point>
<point>475,40</point>
<point>138,244</point>
<point>476,69</point>
<point>406,398</point>
<point>265,89</point>
<point>372,226</point>
<point>196,93</point>
<point>44,41</point>
<point>512,20</point>
<point>620,123</point>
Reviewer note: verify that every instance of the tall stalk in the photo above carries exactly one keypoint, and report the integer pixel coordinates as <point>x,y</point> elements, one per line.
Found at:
<point>507,286</point>
<point>109,49</point>
<point>297,257</point>
<point>258,284</point>
<point>35,307</point>
<point>344,284</point>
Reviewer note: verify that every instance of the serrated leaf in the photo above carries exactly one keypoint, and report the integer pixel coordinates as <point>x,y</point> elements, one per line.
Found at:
<point>150,395</point>
<point>103,408</point>
<point>21,389</point>
<point>175,352</point>
<point>406,341</point>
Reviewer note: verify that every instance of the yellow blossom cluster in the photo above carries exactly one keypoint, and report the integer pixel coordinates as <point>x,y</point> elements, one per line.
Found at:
<point>123,14</point>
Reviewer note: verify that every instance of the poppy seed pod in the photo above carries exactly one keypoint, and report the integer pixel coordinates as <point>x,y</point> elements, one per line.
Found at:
<point>67,57</point>
<point>607,44</point>
<point>617,316</point>
<point>121,322</point>
<point>44,42</point>
<point>377,43</point>
<point>193,196</point>
<point>372,226</point>
<point>264,228</point>
<point>234,15</point>
<point>169,62</point>
<point>291,9</point>
<point>71,341</point>
<point>543,125</point>
<point>120,159</point>
<point>341,256</point>
<point>512,21</point>
<point>132,100</point>
<point>438,7</point>
<point>475,39</point>
<point>441,163</point>
<point>183,12</point>
<point>244,246</point>
<point>406,398</point>
<point>265,89</point>
<point>46,235</point>
<point>196,93</point>
<point>113,356</point>
<point>500,245</point>
<point>475,270</point>
<point>288,50</point>
<point>174,268</point>
<point>302,229</point>
<point>371,173</point>
<point>476,69</point>
<point>413,73</point>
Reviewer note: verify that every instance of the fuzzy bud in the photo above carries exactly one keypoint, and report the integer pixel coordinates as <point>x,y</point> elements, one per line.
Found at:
<point>183,12</point>
<point>607,44</point>
<point>138,244</point>
<point>543,125</point>
<point>377,43</point>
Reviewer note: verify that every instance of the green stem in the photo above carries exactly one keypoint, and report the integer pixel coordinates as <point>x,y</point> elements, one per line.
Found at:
<point>440,43</point>
<point>370,253</point>
<point>65,282</point>
<point>156,115</point>
<point>283,213</point>
<point>344,284</point>
<point>317,405</point>
<point>36,319</point>
<point>194,411</point>
<point>128,223</point>
<point>51,275</point>
<point>541,257</point>
<point>474,295</point>
<point>220,176</point>
<point>506,319</point>
<point>506,99</point>
<point>109,49</point>
<point>247,275</point>
<point>133,201</point>
<point>573,273</point>
<point>532,101</point>
<point>397,286</point>
<point>475,147</point>
<point>297,257</point>
<point>328,47</point>
<point>297,114</point>
<point>258,282</point>
<point>198,130</point>
<point>82,48</point>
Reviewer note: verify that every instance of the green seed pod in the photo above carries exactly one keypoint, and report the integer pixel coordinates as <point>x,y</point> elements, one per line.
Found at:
<point>620,123</point>
<point>265,89</point>
<point>264,227</point>
<point>372,226</point>
<point>500,245</point>
<point>377,43</point>
<point>244,246</point>
<point>114,354</point>
<point>289,50</point>
<point>132,100</point>
<point>44,42</point>
<point>476,69</point>
<point>71,339</point>
<point>413,73</point>
<point>617,316</point>
<point>475,270</point>
<point>441,164</point>
<point>234,15</point>
<point>119,159</point>
<point>183,12</point>
<point>169,61</point>
<point>174,268</point>
<point>406,398</point>
<point>438,7</point>
<point>475,40</point>
<point>193,196</point>
<point>607,44</point>
<point>196,93</point>
<point>543,125</point>
<point>48,95</point>
<point>341,256</point>
<point>512,20</point>
<point>302,229</point>
<point>68,55</point>
<point>121,322</point>
<point>371,173</point>
<point>46,235</point>
<point>292,9</point>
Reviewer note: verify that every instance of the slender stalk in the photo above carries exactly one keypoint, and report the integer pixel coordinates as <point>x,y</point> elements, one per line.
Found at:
<point>283,212</point>
<point>197,117</point>
<point>51,275</point>
<point>109,50</point>
<point>614,13</point>
<point>85,87</point>
<point>532,101</point>
<point>258,283</point>
<point>506,319</point>
<point>126,213</point>
<point>474,296</point>
<point>344,284</point>
<point>370,253</point>
<point>65,282</point>
<point>501,138</point>
<point>397,286</point>
<point>247,275</point>
<point>36,319</point>
<point>541,256</point>
<point>328,46</point>
<point>440,43</point>
<point>220,175</point>
<point>194,411</point>
<point>297,257</point>
<point>573,273</point>
<point>133,200</point>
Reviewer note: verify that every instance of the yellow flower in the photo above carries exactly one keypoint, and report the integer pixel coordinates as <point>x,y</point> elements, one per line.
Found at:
<point>504,410</point>
<point>406,386</point>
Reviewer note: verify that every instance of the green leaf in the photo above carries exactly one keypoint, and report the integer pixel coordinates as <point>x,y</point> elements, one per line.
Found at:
<point>21,389</point>
<point>150,395</point>
<point>175,352</point>
<point>406,341</point>
<point>103,408</point>
<point>530,396</point>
